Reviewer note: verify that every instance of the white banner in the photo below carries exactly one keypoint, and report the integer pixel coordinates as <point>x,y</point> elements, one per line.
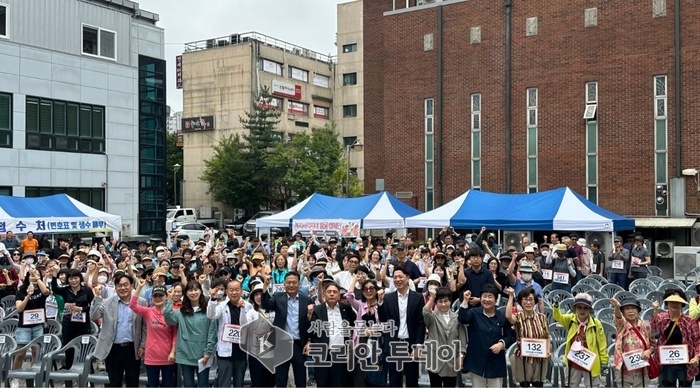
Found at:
<point>321,80</point>
<point>331,228</point>
<point>286,89</point>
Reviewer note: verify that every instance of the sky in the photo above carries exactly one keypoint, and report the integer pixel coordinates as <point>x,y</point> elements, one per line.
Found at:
<point>307,23</point>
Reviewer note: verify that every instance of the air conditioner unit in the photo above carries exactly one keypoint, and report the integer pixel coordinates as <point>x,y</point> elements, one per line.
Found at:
<point>210,43</point>
<point>296,51</point>
<point>685,259</point>
<point>695,235</point>
<point>512,238</point>
<point>602,238</point>
<point>663,249</point>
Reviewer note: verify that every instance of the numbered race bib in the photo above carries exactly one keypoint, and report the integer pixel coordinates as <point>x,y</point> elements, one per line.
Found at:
<point>78,317</point>
<point>561,278</point>
<point>534,347</point>
<point>582,357</point>
<point>618,264</point>
<point>231,334</point>
<point>33,317</point>
<point>278,288</point>
<point>673,354</point>
<point>51,307</point>
<point>633,360</point>
<point>547,274</point>
<point>635,261</point>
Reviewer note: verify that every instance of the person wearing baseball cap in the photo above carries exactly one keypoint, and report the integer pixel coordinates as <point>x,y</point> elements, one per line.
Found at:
<point>159,277</point>
<point>633,334</point>
<point>676,328</point>
<point>583,332</point>
<point>160,341</point>
<point>619,260</point>
<point>525,281</point>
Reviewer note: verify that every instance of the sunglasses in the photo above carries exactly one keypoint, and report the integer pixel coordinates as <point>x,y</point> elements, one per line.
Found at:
<point>368,289</point>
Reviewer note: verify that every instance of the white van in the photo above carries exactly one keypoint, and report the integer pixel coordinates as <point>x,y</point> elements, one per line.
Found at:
<point>178,216</point>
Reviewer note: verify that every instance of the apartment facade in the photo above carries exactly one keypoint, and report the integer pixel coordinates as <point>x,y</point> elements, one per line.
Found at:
<point>82,106</point>
<point>221,79</point>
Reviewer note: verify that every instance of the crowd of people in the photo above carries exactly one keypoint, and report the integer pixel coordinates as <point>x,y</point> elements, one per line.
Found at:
<point>363,312</point>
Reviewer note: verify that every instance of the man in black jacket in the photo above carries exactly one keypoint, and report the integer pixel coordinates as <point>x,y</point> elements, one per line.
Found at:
<point>292,313</point>
<point>331,337</point>
<point>403,308</point>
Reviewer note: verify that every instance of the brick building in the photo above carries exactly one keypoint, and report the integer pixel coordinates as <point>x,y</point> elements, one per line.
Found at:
<point>450,102</point>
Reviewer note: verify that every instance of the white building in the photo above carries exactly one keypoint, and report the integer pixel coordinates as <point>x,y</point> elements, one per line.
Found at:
<point>82,106</point>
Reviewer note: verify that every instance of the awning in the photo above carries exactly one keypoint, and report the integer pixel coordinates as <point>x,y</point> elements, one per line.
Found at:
<point>654,222</point>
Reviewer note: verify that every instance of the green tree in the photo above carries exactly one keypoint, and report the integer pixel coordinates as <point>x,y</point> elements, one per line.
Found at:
<point>261,138</point>
<point>174,156</point>
<point>230,177</point>
<point>305,165</point>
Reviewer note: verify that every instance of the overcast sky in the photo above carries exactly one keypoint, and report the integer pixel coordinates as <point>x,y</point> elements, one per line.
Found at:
<point>307,23</point>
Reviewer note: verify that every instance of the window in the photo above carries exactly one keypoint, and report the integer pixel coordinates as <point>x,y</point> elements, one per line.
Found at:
<point>270,103</point>
<point>532,111</point>
<point>5,190</point>
<point>3,21</point>
<point>661,135</point>
<point>269,66</point>
<point>93,197</point>
<point>321,80</point>
<point>349,48</point>
<point>99,42</point>
<point>297,108</point>
<point>349,110</point>
<point>428,111</point>
<point>64,126</point>
<point>321,112</point>
<point>349,140</point>
<point>349,79</point>
<point>476,139</point>
<point>5,120</point>
<point>299,74</point>
<point>591,101</point>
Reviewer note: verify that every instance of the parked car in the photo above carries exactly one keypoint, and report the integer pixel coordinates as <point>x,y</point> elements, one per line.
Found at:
<point>194,230</point>
<point>238,224</point>
<point>249,226</point>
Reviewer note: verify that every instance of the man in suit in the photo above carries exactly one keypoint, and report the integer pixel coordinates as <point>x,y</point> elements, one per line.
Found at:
<point>331,340</point>
<point>292,313</point>
<point>403,308</point>
<point>122,339</point>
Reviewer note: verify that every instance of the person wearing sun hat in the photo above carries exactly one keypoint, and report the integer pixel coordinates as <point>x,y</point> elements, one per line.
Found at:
<point>676,328</point>
<point>633,334</point>
<point>583,331</point>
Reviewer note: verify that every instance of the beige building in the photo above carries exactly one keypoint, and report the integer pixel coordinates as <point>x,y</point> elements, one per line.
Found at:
<point>348,100</point>
<point>220,79</point>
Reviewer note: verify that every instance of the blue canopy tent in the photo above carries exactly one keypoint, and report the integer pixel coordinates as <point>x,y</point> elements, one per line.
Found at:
<point>376,211</point>
<point>54,214</point>
<point>558,209</point>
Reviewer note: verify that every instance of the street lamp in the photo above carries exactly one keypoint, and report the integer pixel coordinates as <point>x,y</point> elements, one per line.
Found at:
<point>176,168</point>
<point>357,146</point>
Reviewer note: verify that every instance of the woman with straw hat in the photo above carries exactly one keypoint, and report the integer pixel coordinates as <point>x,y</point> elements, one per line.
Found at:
<point>679,341</point>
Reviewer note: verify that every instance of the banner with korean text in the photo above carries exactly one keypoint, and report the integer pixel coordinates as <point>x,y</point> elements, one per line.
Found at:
<point>330,228</point>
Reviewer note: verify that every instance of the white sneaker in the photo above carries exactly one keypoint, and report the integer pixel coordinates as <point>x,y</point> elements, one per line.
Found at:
<point>14,383</point>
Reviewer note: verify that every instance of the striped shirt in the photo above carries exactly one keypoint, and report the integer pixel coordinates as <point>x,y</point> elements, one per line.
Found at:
<point>531,327</point>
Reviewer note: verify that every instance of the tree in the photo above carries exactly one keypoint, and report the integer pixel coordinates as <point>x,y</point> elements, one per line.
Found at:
<point>230,177</point>
<point>261,138</point>
<point>305,165</point>
<point>174,156</point>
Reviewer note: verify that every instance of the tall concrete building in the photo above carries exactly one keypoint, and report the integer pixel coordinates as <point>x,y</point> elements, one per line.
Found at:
<point>82,106</point>
<point>221,78</point>
<point>348,102</point>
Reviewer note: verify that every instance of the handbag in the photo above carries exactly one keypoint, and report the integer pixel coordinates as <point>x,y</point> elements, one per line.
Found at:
<point>653,370</point>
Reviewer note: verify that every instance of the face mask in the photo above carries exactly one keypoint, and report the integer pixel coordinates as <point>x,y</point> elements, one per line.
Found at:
<point>102,279</point>
<point>29,261</point>
<point>526,276</point>
<point>159,254</point>
<point>219,294</point>
<point>432,287</point>
<point>244,273</point>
